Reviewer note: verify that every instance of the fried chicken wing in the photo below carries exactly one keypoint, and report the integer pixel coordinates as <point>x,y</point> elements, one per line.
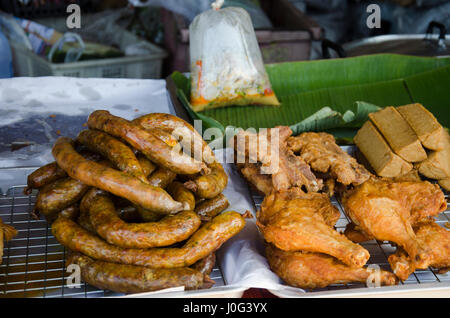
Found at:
<point>315,270</point>
<point>293,220</point>
<point>436,239</point>
<point>387,210</point>
<point>321,152</point>
<point>269,149</point>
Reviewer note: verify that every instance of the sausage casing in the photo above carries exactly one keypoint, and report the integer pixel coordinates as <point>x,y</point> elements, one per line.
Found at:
<point>147,166</point>
<point>111,180</point>
<point>178,127</point>
<point>51,172</point>
<point>116,151</point>
<point>44,175</point>
<point>161,177</point>
<point>134,279</point>
<point>205,265</point>
<point>59,195</point>
<point>210,208</point>
<point>209,185</point>
<point>182,194</point>
<point>205,241</point>
<point>147,143</point>
<point>171,229</point>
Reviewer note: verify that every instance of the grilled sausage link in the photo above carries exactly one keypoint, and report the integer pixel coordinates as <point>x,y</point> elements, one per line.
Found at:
<point>111,180</point>
<point>135,279</point>
<point>161,177</point>
<point>179,128</point>
<point>119,154</point>
<point>205,265</point>
<point>210,208</point>
<point>171,229</point>
<point>147,166</point>
<point>43,176</point>
<point>204,242</point>
<point>209,185</point>
<point>181,194</point>
<point>52,172</point>
<point>147,143</point>
<point>58,195</point>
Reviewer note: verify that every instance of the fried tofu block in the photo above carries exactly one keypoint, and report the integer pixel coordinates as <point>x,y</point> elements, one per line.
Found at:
<point>380,156</point>
<point>399,135</point>
<point>425,125</point>
<point>445,183</point>
<point>437,165</point>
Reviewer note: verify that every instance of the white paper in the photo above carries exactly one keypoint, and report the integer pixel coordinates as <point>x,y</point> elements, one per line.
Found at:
<point>241,258</point>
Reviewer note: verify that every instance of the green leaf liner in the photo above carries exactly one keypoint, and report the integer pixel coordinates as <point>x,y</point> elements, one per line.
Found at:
<point>324,94</point>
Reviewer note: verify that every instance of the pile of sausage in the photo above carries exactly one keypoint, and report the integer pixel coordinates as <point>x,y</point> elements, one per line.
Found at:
<point>136,211</point>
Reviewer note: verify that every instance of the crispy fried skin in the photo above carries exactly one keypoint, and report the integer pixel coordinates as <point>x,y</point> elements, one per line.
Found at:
<point>178,127</point>
<point>111,180</point>
<point>269,148</point>
<point>355,234</point>
<point>119,154</point>
<point>321,152</point>
<point>135,279</point>
<point>59,195</point>
<point>297,221</point>
<point>252,172</point>
<point>387,210</point>
<point>208,209</point>
<point>205,241</point>
<point>169,230</point>
<point>436,239</point>
<point>315,270</point>
<point>147,143</point>
<point>209,185</point>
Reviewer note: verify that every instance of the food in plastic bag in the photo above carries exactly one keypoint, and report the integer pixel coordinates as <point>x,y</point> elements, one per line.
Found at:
<point>226,63</point>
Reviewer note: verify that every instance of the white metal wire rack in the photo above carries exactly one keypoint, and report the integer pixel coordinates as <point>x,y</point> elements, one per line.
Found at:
<point>380,251</point>
<point>33,263</point>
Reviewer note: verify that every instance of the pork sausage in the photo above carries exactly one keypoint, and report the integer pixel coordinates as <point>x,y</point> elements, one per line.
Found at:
<point>209,185</point>
<point>135,279</point>
<point>171,229</point>
<point>111,180</point>
<point>119,154</point>
<point>212,207</point>
<point>147,143</point>
<point>204,242</point>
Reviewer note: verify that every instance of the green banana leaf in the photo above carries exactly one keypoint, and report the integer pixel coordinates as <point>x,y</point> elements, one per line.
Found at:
<point>328,94</point>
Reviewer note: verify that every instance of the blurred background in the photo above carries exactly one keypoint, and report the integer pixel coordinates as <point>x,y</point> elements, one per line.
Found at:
<point>150,38</point>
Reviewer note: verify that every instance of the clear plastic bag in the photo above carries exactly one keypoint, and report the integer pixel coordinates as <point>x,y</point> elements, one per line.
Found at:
<point>226,62</point>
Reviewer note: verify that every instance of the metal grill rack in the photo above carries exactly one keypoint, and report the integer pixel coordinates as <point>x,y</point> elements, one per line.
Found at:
<point>380,251</point>
<point>33,263</point>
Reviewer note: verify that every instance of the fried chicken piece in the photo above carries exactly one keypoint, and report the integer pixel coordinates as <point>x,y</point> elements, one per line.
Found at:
<point>7,232</point>
<point>293,220</point>
<point>315,270</point>
<point>387,210</point>
<point>269,148</point>
<point>321,152</point>
<point>355,234</point>
<point>436,239</point>
<point>261,182</point>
